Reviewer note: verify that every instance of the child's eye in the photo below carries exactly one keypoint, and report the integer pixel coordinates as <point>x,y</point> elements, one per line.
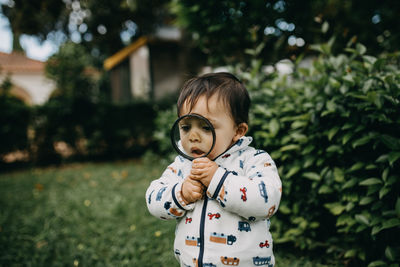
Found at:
<point>207,128</point>
<point>185,128</point>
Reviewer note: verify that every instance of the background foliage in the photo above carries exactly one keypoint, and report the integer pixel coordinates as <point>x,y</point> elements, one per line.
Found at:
<point>334,129</point>
<point>92,130</point>
<point>14,120</point>
<point>286,26</point>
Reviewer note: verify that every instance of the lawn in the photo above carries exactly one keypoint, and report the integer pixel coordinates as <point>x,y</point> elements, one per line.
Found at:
<point>91,214</point>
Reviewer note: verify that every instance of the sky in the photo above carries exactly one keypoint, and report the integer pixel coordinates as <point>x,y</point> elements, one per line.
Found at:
<point>31,45</point>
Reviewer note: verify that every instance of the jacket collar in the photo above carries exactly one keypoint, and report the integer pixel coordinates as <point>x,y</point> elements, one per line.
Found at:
<point>242,143</point>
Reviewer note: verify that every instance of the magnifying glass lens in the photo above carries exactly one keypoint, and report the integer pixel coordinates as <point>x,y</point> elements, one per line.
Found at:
<point>193,136</point>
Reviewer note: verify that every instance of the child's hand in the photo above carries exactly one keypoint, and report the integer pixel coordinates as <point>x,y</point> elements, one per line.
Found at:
<point>192,190</point>
<point>203,170</point>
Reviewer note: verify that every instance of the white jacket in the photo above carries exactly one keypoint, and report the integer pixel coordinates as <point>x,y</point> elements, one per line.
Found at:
<point>231,225</point>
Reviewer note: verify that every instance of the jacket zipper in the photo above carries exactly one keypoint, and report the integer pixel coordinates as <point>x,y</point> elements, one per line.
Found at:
<point>202,226</point>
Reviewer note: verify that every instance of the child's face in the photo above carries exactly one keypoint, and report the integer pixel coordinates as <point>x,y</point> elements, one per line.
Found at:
<point>198,140</point>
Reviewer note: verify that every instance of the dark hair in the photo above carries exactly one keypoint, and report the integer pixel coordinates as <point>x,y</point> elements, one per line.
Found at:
<point>229,88</point>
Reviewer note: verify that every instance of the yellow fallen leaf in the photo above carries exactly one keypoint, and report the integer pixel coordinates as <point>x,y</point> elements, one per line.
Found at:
<point>87,202</point>
<point>157,234</point>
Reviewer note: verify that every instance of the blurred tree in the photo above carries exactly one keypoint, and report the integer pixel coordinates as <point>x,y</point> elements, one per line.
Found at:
<point>34,17</point>
<point>102,26</point>
<point>224,29</point>
<point>71,75</point>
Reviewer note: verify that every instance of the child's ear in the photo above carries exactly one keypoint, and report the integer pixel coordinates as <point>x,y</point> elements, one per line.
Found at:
<point>241,130</point>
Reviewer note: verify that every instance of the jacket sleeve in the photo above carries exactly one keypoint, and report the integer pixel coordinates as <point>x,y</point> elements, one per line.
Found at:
<point>163,197</point>
<point>256,195</point>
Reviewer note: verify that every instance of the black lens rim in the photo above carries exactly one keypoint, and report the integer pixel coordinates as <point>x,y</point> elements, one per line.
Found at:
<point>172,136</point>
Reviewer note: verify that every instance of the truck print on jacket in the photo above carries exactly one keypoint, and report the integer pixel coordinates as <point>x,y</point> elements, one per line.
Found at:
<point>230,225</point>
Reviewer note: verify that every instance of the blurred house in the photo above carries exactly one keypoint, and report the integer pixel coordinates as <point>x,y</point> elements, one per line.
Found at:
<point>151,67</point>
<point>27,77</point>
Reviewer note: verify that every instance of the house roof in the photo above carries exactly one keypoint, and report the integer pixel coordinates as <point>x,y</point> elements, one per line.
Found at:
<point>18,62</point>
<point>118,57</point>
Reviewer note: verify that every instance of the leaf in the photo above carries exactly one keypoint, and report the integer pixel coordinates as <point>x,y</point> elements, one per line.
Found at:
<point>376,230</point>
<point>339,175</point>
<point>309,161</point>
<point>390,142</point>
<point>385,174</point>
<point>347,137</point>
<point>356,166</point>
<point>325,27</point>
<point>384,191</point>
<point>348,78</point>
<point>290,147</point>
<point>312,176</point>
<point>352,182</point>
<point>397,207</point>
<point>362,219</point>
<point>298,124</point>
<point>390,223</point>
<point>334,83</point>
<point>292,171</point>
<point>284,209</point>
<point>347,126</point>
<point>377,263</point>
<point>390,253</point>
<point>361,141</point>
<point>382,158</point>
<point>393,157</point>
<point>324,189</point>
<point>334,148</point>
<point>335,208</point>
<point>361,49</point>
<point>366,200</point>
<point>274,127</point>
<point>350,253</point>
<point>370,181</point>
<point>370,59</point>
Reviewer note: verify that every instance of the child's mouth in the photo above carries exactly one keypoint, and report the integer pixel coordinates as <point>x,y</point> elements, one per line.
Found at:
<point>197,152</point>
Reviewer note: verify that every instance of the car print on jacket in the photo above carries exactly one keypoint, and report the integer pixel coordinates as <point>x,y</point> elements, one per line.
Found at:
<point>230,261</point>
<point>160,193</point>
<point>261,261</point>
<point>244,226</point>
<point>263,191</point>
<point>222,238</point>
<point>192,241</point>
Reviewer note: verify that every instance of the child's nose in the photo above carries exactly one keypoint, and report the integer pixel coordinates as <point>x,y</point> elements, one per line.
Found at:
<point>194,136</point>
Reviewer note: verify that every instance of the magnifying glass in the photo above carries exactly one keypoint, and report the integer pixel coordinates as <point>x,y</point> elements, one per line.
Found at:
<point>193,136</point>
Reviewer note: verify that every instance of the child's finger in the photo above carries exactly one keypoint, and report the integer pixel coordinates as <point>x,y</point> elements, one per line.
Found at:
<point>195,178</point>
<point>197,196</point>
<point>201,160</point>
<point>196,171</point>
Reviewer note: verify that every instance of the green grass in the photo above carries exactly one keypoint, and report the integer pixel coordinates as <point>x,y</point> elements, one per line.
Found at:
<point>87,215</point>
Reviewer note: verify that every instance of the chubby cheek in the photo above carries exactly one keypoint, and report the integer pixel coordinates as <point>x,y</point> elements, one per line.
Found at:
<point>217,150</point>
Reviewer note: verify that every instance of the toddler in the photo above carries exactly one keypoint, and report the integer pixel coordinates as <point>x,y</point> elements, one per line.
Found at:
<point>222,202</point>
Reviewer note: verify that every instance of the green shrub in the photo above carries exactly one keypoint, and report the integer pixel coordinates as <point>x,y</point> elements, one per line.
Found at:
<point>163,123</point>
<point>92,130</point>
<point>334,130</point>
<point>14,121</point>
